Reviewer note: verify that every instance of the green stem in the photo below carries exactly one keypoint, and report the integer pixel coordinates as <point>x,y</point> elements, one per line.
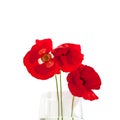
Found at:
<point>57,92</point>
<point>61,102</point>
<point>72,108</point>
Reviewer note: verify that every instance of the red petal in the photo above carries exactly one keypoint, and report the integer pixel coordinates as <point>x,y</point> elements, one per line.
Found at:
<point>69,56</point>
<point>75,84</point>
<point>91,77</point>
<point>45,43</point>
<point>46,70</point>
<point>40,71</point>
<point>89,95</point>
<point>81,82</point>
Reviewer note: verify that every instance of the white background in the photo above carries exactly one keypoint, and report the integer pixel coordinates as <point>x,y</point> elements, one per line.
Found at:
<point>94,24</point>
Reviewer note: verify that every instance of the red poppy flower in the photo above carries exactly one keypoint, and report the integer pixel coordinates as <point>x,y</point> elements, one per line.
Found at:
<point>82,81</point>
<point>39,61</point>
<point>69,56</point>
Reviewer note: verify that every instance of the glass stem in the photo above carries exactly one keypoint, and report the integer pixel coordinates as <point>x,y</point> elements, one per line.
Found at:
<point>61,102</point>
<point>81,108</point>
<point>58,99</point>
<point>72,108</point>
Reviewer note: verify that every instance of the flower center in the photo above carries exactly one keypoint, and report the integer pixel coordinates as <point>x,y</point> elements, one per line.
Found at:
<point>46,57</point>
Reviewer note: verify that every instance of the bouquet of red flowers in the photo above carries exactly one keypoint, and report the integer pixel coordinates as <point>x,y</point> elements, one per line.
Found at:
<point>44,62</point>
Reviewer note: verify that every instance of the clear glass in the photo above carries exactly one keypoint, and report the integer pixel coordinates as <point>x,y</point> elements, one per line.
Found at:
<point>49,107</point>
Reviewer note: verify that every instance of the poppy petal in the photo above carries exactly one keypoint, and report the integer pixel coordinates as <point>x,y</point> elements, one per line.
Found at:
<point>69,56</point>
<point>38,68</point>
